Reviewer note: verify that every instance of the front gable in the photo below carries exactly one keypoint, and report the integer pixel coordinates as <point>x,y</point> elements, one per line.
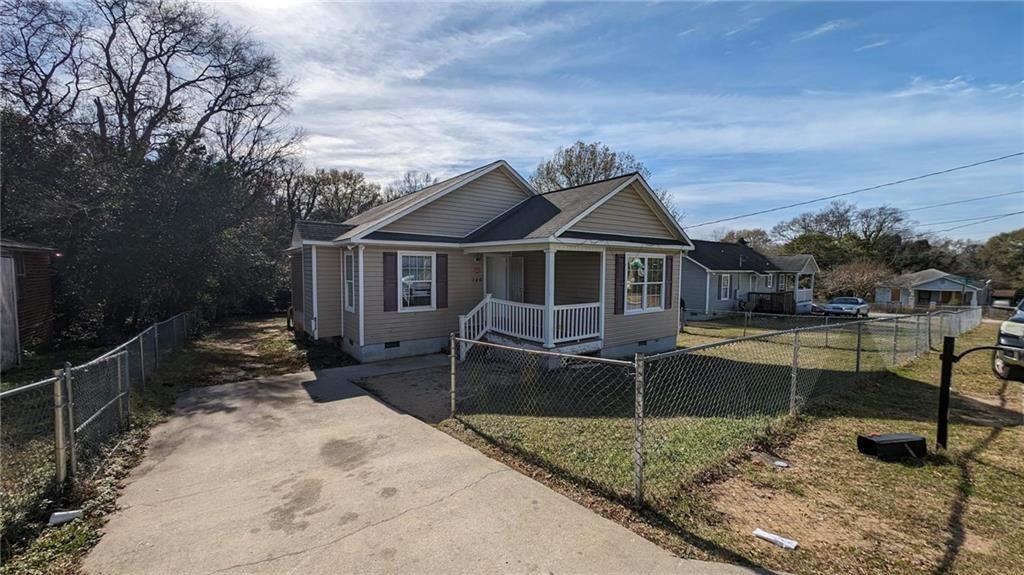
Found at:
<point>944,284</point>
<point>466,208</point>
<point>627,213</point>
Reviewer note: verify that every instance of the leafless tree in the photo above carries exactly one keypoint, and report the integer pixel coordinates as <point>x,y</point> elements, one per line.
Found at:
<point>41,57</point>
<point>411,181</point>
<point>583,163</point>
<point>167,69</point>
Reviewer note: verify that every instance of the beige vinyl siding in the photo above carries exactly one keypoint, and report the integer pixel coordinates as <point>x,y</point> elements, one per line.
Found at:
<point>463,210</point>
<point>351,324</point>
<point>328,291</point>
<point>307,289</point>
<point>464,292</point>
<point>625,214</point>
<point>533,277</point>
<point>295,261</point>
<point>577,277</point>
<point>625,329</point>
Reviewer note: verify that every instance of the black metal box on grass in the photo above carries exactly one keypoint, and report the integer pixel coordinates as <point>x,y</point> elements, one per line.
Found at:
<point>890,446</point>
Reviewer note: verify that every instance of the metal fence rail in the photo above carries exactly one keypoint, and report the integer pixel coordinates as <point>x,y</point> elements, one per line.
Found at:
<point>650,427</point>
<point>58,427</point>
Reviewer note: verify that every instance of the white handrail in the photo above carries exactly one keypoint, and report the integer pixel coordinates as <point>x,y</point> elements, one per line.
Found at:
<point>573,322</point>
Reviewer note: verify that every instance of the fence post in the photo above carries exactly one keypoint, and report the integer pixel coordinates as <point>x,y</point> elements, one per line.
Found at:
<point>451,360</point>
<point>746,321</point>
<point>70,402</point>
<point>895,336</point>
<point>142,361</point>
<point>120,390</point>
<point>156,345</point>
<point>794,372</point>
<point>945,382</point>
<point>929,329</point>
<point>60,430</point>
<point>826,332</point>
<point>638,431</point>
<point>860,328</point>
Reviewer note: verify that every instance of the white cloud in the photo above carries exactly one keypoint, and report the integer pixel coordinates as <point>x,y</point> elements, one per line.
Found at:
<point>871,46</point>
<point>748,25</point>
<point>830,26</point>
<point>686,32</point>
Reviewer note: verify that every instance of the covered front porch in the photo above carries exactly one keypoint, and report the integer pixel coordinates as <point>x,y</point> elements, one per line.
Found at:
<point>551,298</point>
<point>794,294</point>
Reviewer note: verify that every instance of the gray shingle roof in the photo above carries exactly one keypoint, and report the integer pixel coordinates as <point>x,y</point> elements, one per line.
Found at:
<point>10,244</point>
<point>541,216</point>
<point>725,256</point>
<point>320,231</point>
<point>925,276</point>
<point>791,263</point>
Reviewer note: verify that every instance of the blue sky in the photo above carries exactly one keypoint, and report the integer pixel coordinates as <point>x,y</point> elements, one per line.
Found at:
<point>734,107</point>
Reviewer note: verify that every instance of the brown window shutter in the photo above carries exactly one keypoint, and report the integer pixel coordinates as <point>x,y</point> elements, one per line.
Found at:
<point>390,281</point>
<point>668,283</point>
<point>442,281</point>
<point>620,283</point>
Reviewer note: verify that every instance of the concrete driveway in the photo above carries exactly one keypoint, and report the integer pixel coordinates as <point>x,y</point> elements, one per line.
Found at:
<point>308,474</point>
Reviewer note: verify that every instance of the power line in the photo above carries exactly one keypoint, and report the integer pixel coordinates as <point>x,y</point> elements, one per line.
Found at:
<point>976,223</point>
<point>858,191</point>
<point>956,221</point>
<point>1002,195</point>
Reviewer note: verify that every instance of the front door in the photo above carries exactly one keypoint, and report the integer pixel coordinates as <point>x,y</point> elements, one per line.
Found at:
<point>497,276</point>
<point>516,292</point>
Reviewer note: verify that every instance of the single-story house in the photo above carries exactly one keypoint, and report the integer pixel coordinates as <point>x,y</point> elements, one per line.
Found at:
<point>723,276</point>
<point>26,298</point>
<point>586,269</point>
<point>930,287</point>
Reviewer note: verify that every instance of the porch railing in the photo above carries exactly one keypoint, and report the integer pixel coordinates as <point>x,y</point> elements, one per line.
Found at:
<point>577,321</point>
<point>803,295</point>
<point>526,321</point>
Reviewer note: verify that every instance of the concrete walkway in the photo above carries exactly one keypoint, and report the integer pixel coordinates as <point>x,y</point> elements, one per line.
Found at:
<point>308,474</point>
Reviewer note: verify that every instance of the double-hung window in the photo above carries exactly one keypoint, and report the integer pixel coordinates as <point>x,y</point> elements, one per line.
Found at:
<point>769,281</point>
<point>350,282</point>
<point>416,288</point>
<point>645,283</point>
<point>724,286</point>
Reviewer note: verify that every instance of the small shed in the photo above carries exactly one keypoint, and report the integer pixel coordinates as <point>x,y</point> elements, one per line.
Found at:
<point>26,295</point>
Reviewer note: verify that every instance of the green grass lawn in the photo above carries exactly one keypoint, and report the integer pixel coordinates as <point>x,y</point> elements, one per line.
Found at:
<point>958,511</point>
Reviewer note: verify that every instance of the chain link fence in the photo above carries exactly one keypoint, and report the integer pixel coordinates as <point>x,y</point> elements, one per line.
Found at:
<point>62,426</point>
<point>733,324</point>
<point>651,428</point>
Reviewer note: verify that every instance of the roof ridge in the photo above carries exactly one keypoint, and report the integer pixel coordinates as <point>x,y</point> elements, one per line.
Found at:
<point>633,173</point>
<point>320,222</point>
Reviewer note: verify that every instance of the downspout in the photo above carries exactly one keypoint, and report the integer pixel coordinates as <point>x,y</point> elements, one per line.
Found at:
<point>707,293</point>
<point>362,307</point>
<point>316,327</point>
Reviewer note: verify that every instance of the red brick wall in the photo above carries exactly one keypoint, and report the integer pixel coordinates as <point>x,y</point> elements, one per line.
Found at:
<point>35,300</point>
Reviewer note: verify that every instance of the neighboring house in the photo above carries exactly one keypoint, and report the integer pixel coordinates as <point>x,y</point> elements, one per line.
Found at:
<point>928,288</point>
<point>27,298</point>
<point>1004,297</point>
<point>717,276</point>
<point>591,268</point>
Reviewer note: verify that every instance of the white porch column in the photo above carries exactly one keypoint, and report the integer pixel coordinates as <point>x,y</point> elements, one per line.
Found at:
<point>549,297</point>
<point>602,289</point>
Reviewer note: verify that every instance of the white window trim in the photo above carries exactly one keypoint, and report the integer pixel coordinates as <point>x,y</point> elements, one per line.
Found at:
<point>769,281</point>
<point>725,284</point>
<point>433,282</point>
<point>349,265</point>
<point>625,286</point>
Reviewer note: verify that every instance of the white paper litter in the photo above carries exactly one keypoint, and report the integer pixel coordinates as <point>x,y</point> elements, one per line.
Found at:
<point>780,463</point>
<point>58,517</point>
<point>776,539</point>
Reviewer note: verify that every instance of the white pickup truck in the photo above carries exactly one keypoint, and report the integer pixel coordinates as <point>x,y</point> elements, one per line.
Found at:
<point>1009,363</point>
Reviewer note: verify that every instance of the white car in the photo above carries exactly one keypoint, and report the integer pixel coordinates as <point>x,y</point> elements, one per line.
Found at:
<point>1008,363</point>
<point>853,306</point>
